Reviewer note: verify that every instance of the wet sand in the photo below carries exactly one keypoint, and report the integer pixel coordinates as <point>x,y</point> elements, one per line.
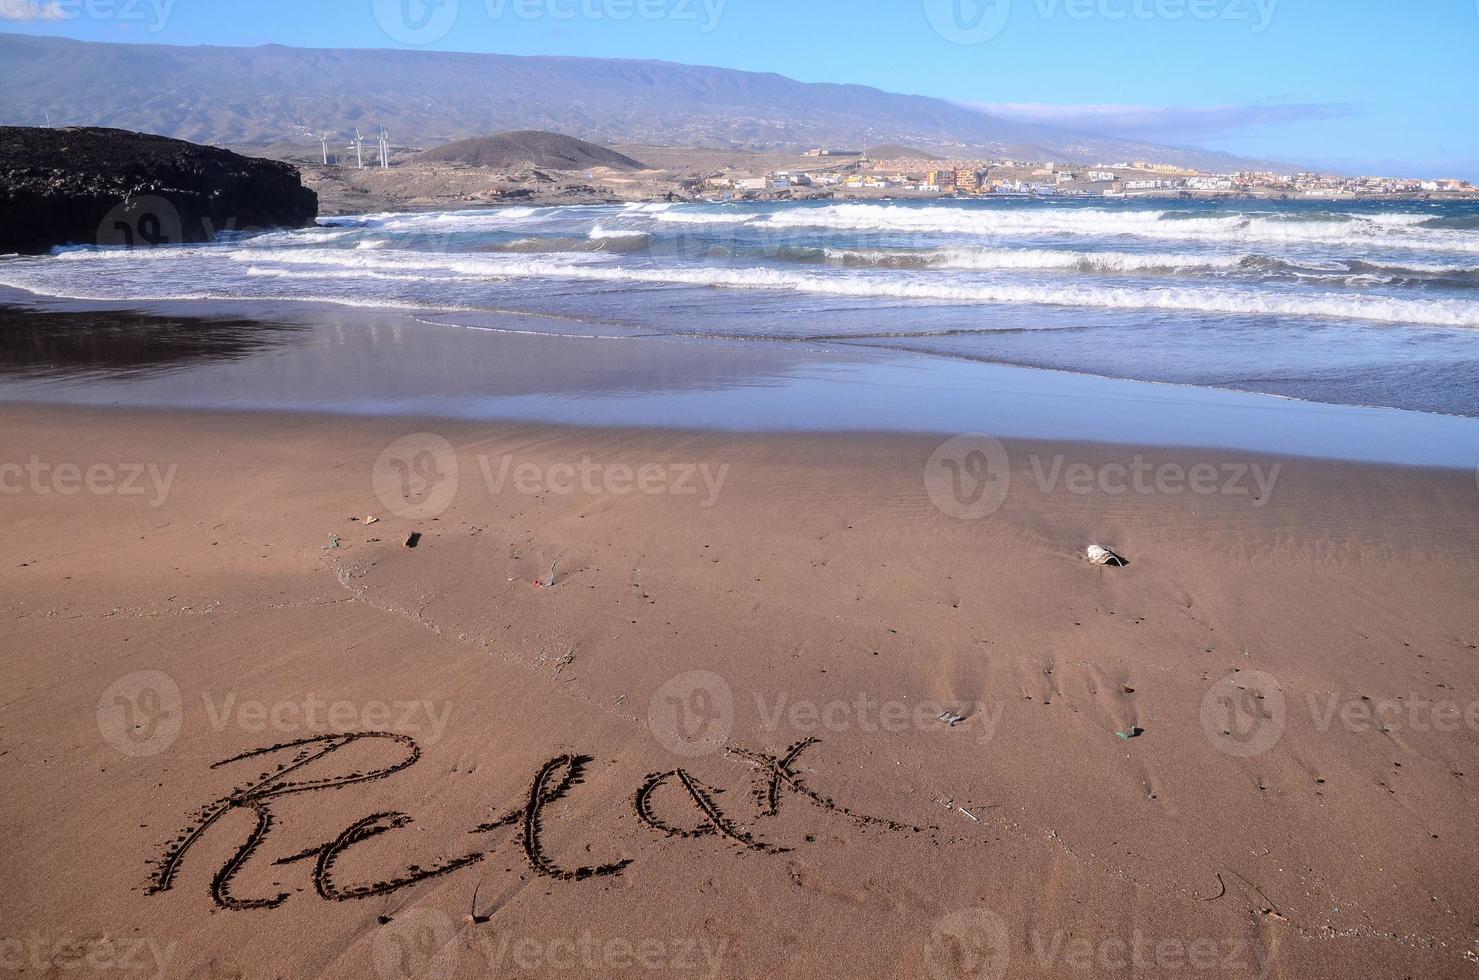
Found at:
<point>663,701</point>
<point>479,366</point>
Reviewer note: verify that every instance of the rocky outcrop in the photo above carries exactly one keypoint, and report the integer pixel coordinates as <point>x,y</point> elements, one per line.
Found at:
<point>86,186</point>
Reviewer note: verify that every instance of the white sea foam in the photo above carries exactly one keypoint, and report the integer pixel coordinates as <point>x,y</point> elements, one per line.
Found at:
<point>706,217</point>
<point>448,267</point>
<point>1388,231</point>
<point>1036,258</point>
<point>1211,272</point>
<point>600,231</point>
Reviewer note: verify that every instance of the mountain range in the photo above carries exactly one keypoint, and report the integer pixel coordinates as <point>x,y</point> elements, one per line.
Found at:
<point>247,97</point>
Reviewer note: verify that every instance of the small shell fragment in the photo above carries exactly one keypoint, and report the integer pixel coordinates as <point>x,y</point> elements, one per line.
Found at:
<point>1103,556</point>
<point>952,718</point>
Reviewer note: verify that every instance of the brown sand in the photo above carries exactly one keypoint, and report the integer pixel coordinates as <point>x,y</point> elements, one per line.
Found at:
<point>824,596</point>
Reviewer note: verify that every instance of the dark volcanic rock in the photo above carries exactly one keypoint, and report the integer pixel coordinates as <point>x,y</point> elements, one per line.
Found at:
<point>88,186</point>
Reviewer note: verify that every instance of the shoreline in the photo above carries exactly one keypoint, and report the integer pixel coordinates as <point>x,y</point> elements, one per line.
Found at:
<point>263,356</point>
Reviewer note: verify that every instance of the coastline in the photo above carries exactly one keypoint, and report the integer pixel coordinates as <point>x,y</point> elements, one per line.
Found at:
<point>824,587</point>
<point>532,368</point>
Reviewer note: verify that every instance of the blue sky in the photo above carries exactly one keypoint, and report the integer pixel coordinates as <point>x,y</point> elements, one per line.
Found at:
<point>1354,84</point>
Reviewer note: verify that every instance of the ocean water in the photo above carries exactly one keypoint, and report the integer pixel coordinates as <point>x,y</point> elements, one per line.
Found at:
<point>1355,303</point>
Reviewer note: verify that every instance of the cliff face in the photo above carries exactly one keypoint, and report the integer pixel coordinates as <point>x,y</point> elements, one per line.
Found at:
<point>88,186</point>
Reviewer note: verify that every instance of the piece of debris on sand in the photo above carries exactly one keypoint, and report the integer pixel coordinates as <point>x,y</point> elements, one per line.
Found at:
<point>1103,556</point>
<point>548,581</point>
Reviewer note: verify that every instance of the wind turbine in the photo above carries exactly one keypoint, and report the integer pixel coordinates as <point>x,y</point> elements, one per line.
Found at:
<point>358,144</point>
<point>384,149</point>
<point>323,138</point>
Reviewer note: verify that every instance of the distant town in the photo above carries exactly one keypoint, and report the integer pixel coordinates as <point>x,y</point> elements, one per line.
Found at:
<point>854,172</point>
<point>561,170</point>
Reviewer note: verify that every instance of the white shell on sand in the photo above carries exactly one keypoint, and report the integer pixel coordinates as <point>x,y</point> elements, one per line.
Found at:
<point>1103,556</point>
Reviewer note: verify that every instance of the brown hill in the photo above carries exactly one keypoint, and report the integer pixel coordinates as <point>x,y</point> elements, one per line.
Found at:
<point>530,148</point>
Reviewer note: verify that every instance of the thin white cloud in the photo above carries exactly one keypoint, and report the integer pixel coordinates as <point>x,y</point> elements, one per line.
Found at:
<point>1158,123</point>
<point>31,10</point>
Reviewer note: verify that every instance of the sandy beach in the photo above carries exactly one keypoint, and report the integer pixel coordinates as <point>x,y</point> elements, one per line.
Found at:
<point>951,491</point>
<point>662,702</point>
